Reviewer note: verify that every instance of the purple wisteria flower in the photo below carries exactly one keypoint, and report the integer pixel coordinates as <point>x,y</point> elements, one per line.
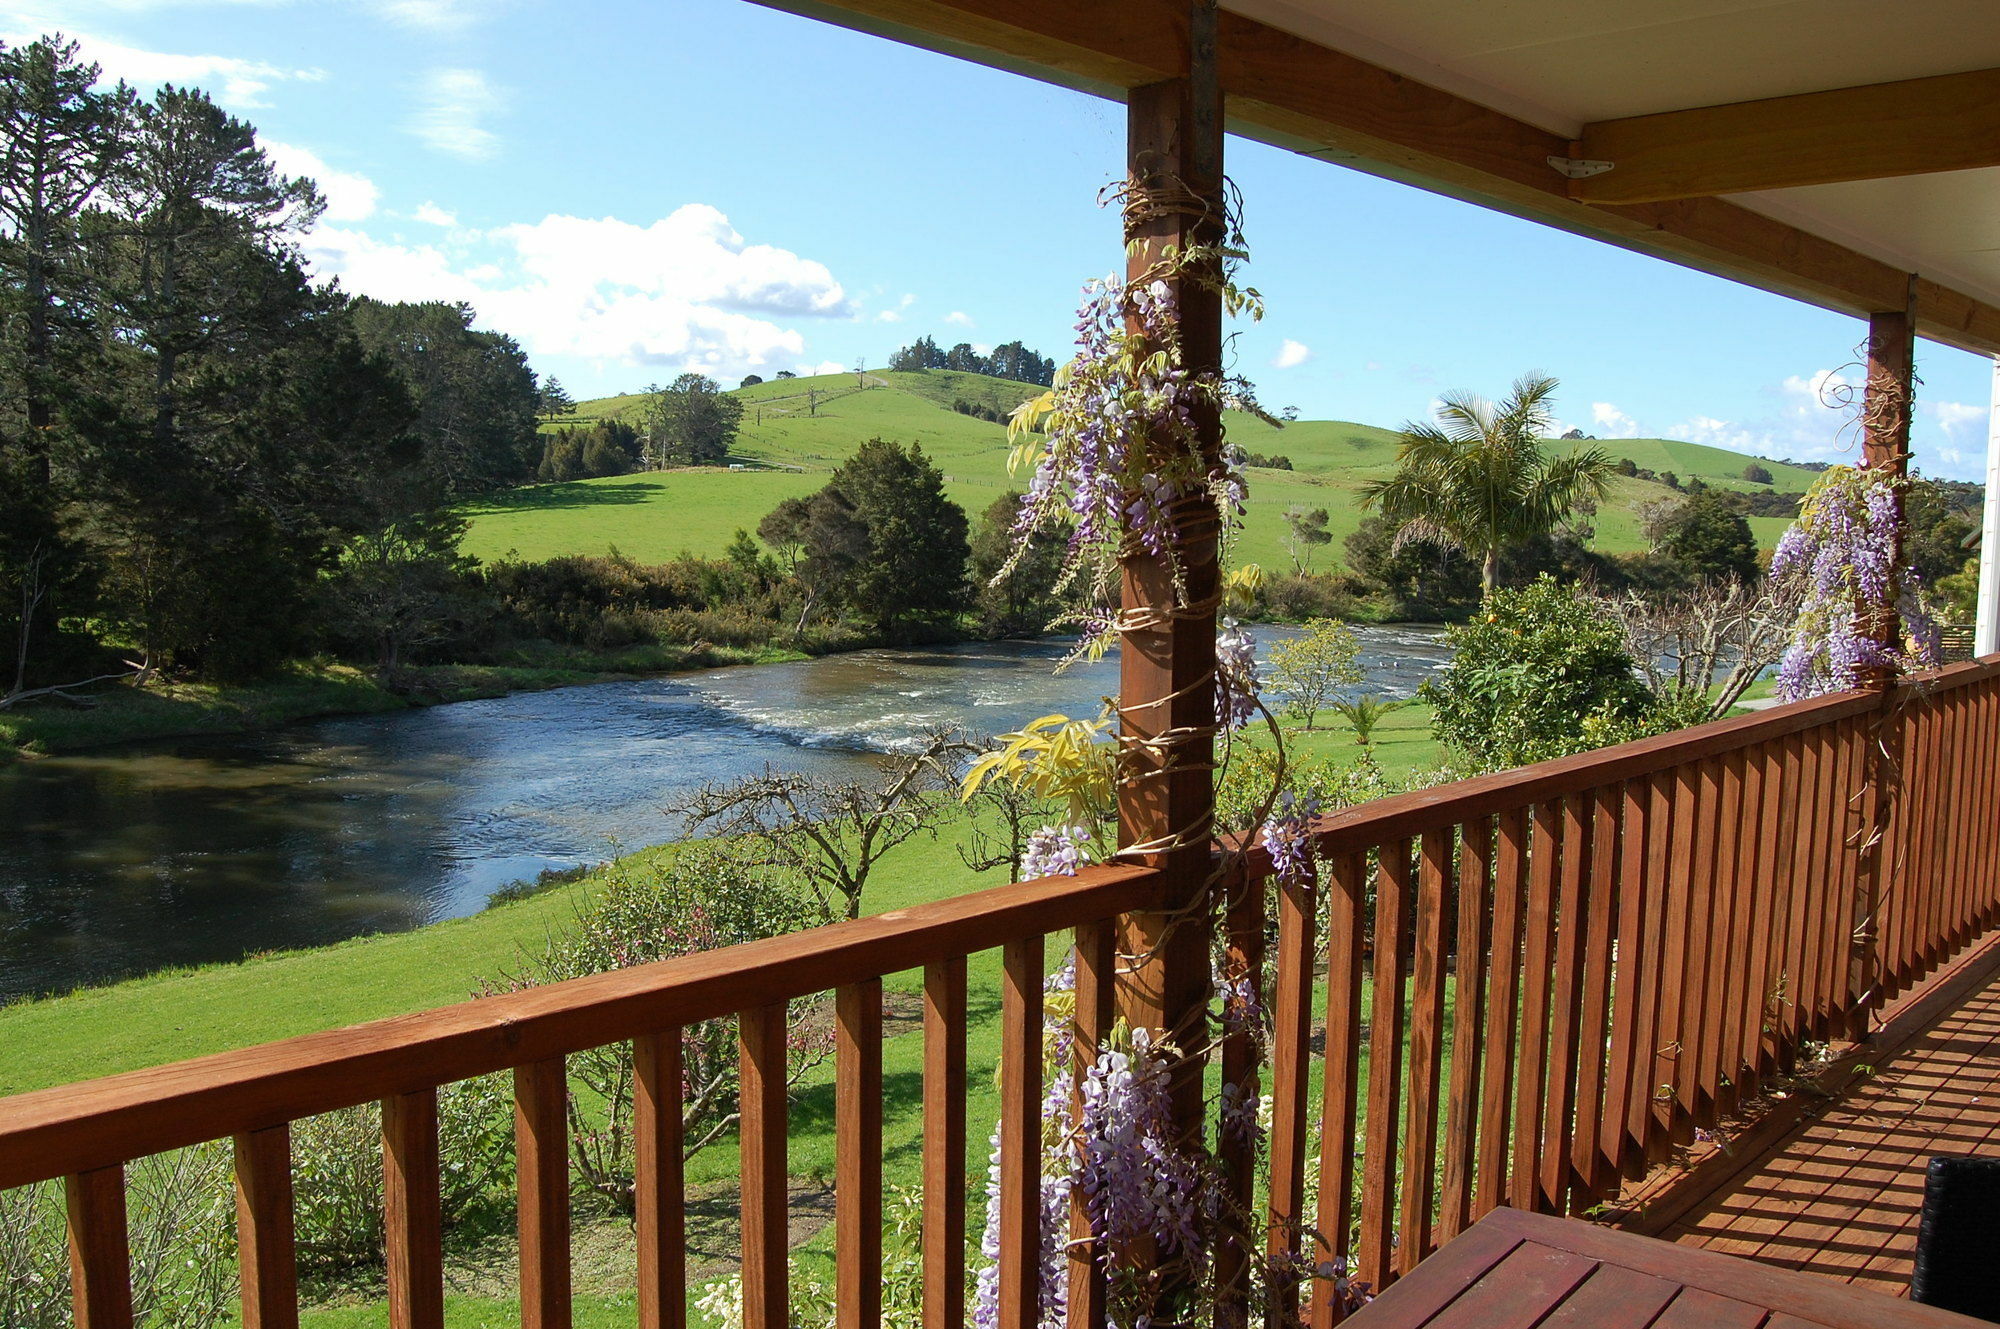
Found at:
<point>1055,851</point>
<point>1288,837</point>
<point>1236,681</point>
<point>1841,557</point>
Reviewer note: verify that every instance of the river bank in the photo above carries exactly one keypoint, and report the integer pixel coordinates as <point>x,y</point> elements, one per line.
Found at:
<point>317,689</point>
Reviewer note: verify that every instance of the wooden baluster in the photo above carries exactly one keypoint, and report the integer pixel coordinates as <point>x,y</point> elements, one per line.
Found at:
<point>1697,1082</point>
<point>1096,983</point>
<point>1961,823</point>
<point>857,1194</point>
<point>1729,949</point>
<point>1566,1003</point>
<point>1468,1025</point>
<point>1845,877</point>
<point>1530,1089</point>
<point>1985,860</point>
<point>100,1260</point>
<point>1502,1008</point>
<point>1760,849</point>
<point>1652,1066</point>
<point>944,1144</point>
<point>266,1257</point>
<point>762,1132</point>
<point>1382,1160</point>
<point>1236,1151</point>
<point>1853,953</point>
<point>1291,1075</point>
<point>1621,1132</point>
<point>1340,1091</point>
<point>541,1164</point>
<point>659,1191</point>
<point>1921,869</point>
<point>412,1220</point>
<point>1903,893</point>
<point>1420,1122</point>
<point>1595,1167</point>
<point>1672,1075</point>
<point>1021,1135</point>
<point>1801,766</point>
<point>1784,878</point>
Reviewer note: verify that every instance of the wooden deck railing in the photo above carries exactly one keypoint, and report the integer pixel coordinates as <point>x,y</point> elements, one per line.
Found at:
<point>1574,966</point>
<point>1564,970</point>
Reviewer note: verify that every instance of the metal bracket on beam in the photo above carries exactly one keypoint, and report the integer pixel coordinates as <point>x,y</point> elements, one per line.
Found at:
<point>1579,168</point>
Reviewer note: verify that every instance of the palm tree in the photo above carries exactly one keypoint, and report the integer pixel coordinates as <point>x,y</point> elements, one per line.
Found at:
<point>1478,480</point>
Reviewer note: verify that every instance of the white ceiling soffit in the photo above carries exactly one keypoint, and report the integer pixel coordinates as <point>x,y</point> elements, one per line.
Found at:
<point>1559,64</point>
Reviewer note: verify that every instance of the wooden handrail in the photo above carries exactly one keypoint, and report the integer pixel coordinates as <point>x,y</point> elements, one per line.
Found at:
<point>98,1123</point>
<point>1399,816</point>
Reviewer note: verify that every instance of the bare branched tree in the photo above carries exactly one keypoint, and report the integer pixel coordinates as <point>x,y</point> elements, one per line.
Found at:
<point>1019,814</point>
<point>832,835</point>
<point>1702,648</point>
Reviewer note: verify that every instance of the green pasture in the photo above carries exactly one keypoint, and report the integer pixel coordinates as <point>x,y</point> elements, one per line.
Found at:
<point>795,431</point>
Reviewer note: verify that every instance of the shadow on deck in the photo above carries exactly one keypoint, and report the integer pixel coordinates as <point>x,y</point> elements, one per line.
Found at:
<point>1831,1183</point>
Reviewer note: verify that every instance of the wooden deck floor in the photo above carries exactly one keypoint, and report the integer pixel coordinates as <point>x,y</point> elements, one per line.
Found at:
<point>1838,1195</point>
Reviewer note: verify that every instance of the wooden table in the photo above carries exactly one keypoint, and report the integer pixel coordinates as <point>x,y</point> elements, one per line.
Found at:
<point>1516,1270</point>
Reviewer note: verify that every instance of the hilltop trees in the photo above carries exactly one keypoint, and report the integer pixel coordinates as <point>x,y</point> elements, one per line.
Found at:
<point>1010,360</point>
<point>690,422</point>
<point>1478,481</point>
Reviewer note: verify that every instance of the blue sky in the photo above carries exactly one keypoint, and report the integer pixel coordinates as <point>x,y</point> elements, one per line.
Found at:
<point>634,189</point>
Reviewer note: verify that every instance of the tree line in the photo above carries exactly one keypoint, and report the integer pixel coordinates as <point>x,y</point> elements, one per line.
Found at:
<point>1012,360</point>
<point>198,443</point>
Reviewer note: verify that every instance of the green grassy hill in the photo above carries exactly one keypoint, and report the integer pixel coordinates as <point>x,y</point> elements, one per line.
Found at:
<point>797,430</point>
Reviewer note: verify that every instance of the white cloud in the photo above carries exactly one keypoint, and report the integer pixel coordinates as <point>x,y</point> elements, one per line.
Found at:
<point>1813,420</point>
<point>233,82</point>
<point>687,291</point>
<point>823,367</point>
<point>1292,354</point>
<point>349,195</point>
<point>895,315</point>
<point>1612,422</point>
<point>960,317</point>
<point>1953,416</point>
<point>454,102</point>
<point>429,15</point>
<point>432,215</point>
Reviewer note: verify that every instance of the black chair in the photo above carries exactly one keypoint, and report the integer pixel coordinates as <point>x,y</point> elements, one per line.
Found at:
<point>1958,1238</point>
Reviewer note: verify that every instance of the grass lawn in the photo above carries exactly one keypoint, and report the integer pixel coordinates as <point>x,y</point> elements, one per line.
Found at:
<point>795,431</point>
<point>171,1016</point>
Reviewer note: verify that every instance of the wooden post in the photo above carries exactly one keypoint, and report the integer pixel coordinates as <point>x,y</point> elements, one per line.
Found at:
<point>1886,411</point>
<point>1166,798</point>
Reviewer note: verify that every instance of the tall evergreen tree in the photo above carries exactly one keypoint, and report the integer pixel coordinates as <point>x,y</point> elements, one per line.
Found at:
<point>59,142</point>
<point>915,570</point>
<point>476,397</point>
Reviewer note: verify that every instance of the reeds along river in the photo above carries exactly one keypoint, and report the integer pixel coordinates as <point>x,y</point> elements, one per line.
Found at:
<point>118,862</point>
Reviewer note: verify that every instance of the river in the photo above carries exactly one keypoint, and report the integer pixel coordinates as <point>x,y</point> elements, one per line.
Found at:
<point>121,861</point>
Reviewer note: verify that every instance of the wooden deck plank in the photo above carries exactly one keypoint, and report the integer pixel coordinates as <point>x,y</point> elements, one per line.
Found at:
<point>1839,1195</point>
<point>1530,1283</point>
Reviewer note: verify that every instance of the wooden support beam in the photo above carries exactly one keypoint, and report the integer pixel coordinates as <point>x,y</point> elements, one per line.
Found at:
<point>1324,103</point>
<point>1950,122</point>
<point>1885,446</point>
<point>1166,796</point>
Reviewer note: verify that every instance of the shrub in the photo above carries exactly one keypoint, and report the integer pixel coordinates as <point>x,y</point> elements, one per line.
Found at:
<point>181,1212</point>
<point>1527,673</point>
<point>697,899</point>
<point>337,1174</point>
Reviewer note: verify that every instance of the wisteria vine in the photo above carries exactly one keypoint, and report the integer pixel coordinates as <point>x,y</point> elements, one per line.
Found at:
<point>1841,557</point>
<point>1119,468</point>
